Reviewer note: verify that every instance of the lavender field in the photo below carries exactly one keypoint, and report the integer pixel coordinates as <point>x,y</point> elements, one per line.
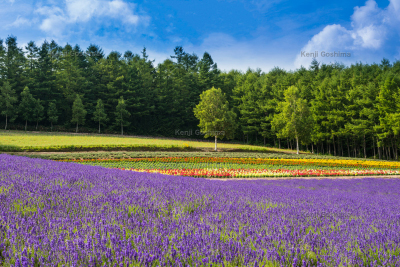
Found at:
<point>66,214</point>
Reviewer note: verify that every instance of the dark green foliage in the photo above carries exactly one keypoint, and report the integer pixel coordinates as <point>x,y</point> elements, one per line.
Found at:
<point>355,109</point>
<point>52,114</point>
<point>38,112</point>
<point>99,115</point>
<point>78,112</point>
<point>122,115</point>
<point>8,99</point>
<point>27,106</point>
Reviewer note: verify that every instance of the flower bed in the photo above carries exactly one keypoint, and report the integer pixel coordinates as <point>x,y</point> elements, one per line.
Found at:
<point>249,167</point>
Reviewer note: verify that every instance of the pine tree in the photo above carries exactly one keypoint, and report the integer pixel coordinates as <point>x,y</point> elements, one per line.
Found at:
<point>52,114</point>
<point>100,115</point>
<point>27,106</point>
<point>121,115</point>
<point>7,101</point>
<point>38,112</point>
<point>78,112</point>
<point>13,64</point>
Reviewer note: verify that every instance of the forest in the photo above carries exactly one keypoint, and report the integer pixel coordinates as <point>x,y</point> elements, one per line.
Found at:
<point>351,111</point>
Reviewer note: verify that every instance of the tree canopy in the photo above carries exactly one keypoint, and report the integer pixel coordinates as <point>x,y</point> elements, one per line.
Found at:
<point>354,110</point>
<point>216,119</point>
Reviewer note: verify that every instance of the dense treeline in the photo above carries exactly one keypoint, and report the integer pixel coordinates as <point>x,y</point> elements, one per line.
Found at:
<point>349,111</point>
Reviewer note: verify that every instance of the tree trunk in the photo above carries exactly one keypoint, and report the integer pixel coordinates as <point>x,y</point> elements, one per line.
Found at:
<point>387,149</point>
<point>373,145</point>
<point>329,147</point>
<point>312,148</point>
<point>279,141</point>
<point>393,139</point>
<point>215,143</point>
<point>297,144</point>
<point>122,127</point>
<point>365,148</point>
<point>26,124</point>
<point>264,141</point>
<point>341,148</point>
<point>37,124</point>
<point>77,127</point>
<point>379,150</point>
<point>6,123</point>
<point>348,148</point>
<point>99,126</point>
<point>334,147</point>
<point>51,126</point>
<point>385,152</point>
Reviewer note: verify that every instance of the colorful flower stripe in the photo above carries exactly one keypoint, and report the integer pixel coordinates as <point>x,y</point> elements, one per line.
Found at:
<point>309,162</point>
<point>246,173</point>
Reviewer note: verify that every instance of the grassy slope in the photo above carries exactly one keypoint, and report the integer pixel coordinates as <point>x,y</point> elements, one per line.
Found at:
<point>35,141</point>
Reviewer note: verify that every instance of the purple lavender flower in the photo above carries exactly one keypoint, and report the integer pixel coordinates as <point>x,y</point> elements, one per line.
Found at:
<point>55,213</point>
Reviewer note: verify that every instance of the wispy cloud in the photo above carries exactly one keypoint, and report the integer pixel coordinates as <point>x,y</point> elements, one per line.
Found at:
<point>56,18</point>
<point>231,53</point>
<point>20,21</point>
<point>371,29</point>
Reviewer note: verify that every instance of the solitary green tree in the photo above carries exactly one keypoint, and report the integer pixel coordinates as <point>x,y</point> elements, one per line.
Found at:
<point>38,112</point>
<point>7,101</point>
<point>294,119</point>
<point>27,106</point>
<point>122,114</point>
<point>52,114</point>
<point>100,115</point>
<point>215,117</point>
<point>78,112</point>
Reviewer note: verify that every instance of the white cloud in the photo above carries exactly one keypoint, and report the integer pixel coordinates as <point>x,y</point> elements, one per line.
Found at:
<point>81,11</point>
<point>371,29</point>
<point>18,23</point>
<point>230,53</point>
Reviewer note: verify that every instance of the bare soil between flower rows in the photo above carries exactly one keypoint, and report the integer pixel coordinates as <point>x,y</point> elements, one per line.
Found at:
<point>304,178</point>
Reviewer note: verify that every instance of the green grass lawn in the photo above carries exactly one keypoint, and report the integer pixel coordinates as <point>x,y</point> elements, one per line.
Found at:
<point>17,141</point>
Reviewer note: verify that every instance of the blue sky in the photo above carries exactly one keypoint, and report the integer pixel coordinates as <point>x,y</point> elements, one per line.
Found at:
<point>237,33</point>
